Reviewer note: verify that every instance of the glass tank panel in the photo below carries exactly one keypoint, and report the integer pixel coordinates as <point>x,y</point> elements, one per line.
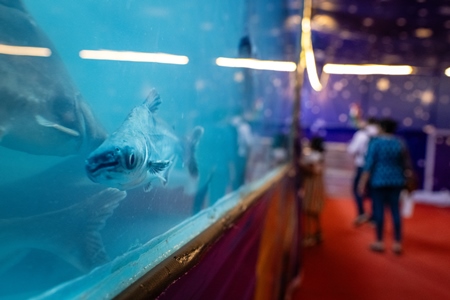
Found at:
<point>120,120</point>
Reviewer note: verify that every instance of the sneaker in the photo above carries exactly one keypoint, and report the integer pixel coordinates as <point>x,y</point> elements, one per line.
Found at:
<point>361,219</point>
<point>377,247</point>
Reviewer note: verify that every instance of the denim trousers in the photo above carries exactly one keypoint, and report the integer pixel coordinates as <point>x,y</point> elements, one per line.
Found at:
<point>382,197</point>
<point>358,198</point>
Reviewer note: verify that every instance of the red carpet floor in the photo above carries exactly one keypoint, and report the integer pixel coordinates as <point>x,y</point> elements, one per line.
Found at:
<point>344,268</point>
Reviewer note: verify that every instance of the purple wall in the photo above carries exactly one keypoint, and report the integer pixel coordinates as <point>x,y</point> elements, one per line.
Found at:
<point>441,176</point>
<point>257,254</point>
<point>228,269</point>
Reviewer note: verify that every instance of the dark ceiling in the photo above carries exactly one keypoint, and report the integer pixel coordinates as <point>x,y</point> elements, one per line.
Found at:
<point>414,32</point>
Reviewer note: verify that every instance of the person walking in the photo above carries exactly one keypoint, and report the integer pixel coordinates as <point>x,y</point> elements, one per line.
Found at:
<point>385,167</point>
<point>358,148</point>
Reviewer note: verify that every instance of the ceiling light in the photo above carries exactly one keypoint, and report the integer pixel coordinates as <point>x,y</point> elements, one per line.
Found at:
<point>368,69</point>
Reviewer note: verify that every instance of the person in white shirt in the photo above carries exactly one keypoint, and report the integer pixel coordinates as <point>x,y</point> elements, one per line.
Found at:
<point>358,148</point>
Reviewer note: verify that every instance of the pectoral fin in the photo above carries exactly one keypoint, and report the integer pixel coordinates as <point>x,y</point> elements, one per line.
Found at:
<point>155,167</point>
<point>165,174</point>
<point>46,123</point>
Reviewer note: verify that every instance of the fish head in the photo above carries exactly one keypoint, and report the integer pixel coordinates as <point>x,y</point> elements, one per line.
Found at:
<point>122,167</point>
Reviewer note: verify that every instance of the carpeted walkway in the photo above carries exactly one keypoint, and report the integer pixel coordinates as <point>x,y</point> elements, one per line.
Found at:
<point>344,268</point>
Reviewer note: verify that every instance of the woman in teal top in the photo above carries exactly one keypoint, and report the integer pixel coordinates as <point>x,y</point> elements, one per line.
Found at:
<point>385,168</point>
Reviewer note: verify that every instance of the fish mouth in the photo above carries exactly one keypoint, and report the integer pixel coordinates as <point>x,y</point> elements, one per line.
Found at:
<point>95,169</point>
<point>98,163</point>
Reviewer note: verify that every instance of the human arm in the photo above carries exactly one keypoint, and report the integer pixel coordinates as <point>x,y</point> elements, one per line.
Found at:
<point>355,143</point>
<point>368,166</point>
<point>363,182</point>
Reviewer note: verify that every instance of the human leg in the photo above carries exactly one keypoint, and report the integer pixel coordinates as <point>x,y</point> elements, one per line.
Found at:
<point>372,204</point>
<point>378,195</point>
<point>359,199</point>
<point>394,204</point>
<point>308,239</point>
<point>357,196</point>
<point>318,234</point>
<point>312,229</point>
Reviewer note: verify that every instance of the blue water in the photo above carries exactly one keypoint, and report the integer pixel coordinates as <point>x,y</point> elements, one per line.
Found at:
<point>197,94</point>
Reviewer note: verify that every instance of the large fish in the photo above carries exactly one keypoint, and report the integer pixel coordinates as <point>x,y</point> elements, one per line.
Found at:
<point>71,233</point>
<point>41,110</point>
<point>30,208</point>
<point>143,149</point>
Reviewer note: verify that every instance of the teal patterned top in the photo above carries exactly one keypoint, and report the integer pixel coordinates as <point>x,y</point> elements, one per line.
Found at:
<point>385,161</point>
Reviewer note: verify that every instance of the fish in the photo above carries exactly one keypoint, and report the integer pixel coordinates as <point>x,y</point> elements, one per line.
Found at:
<point>71,233</point>
<point>64,185</point>
<point>143,149</point>
<point>42,112</point>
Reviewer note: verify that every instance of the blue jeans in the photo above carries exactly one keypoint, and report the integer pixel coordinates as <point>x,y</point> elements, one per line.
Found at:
<point>387,196</point>
<point>360,198</point>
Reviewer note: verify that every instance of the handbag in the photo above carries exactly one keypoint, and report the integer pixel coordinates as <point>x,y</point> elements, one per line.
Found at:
<point>411,181</point>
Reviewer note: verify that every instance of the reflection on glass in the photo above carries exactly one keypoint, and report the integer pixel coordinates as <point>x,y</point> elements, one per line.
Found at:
<point>162,58</point>
<point>256,64</point>
<point>96,166</point>
<point>26,51</point>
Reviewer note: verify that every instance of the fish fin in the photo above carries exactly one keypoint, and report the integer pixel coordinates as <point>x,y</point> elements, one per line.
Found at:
<point>46,123</point>
<point>148,187</point>
<point>98,209</point>
<point>73,233</point>
<point>153,101</point>
<point>165,176</point>
<point>161,177</point>
<point>155,167</point>
<point>166,172</point>
<point>193,141</point>
<point>82,244</point>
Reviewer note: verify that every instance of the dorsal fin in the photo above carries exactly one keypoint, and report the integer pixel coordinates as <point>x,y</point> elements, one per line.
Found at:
<point>153,101</point>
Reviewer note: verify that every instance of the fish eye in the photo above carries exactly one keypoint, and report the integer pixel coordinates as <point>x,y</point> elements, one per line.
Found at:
<point>131,160</point>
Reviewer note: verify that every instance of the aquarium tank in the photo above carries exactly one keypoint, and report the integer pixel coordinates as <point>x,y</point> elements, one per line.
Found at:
<point>127,127</point>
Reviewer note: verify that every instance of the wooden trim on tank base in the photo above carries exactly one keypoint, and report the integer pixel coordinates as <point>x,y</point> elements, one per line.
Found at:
<point>153,283</point>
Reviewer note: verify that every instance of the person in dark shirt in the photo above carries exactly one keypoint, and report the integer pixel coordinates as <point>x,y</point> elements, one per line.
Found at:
<point>385,168</point>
